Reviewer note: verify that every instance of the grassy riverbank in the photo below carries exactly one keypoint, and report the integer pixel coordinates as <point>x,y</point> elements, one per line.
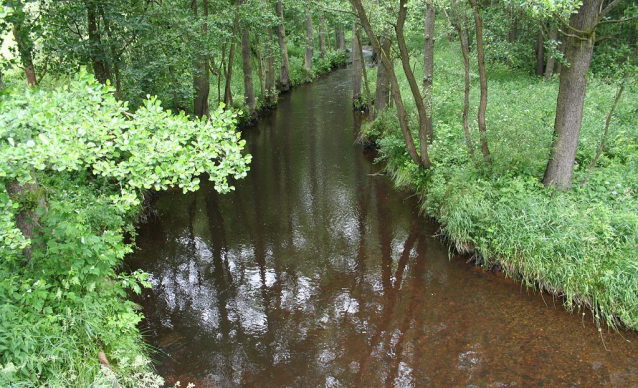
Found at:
<point>581,244</point>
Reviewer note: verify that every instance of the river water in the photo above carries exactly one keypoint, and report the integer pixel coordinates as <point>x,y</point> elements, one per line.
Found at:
<point>316,272</point>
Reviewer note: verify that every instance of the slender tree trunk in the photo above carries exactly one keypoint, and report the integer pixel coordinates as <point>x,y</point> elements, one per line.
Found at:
<point>249,91</point>
<point>98,58</point>
<point>414,87</point>
<point>382,92</point>
<point>307,63</point>
<point>284,74</point>
<point>114,54</point>
<point>540,53</point>
<point>483,81</point>
<point>364,71</point>
<point>603,140</point>
<point>571,95</point>
<point>228,98</point>
<point>260,69</point>
<point>357,68</point>
<point>559,66</point>
<point>201,76</point>
<point>465,49</point>
<point>511,34</point>
<point>396,91</point>
<point>25,50</point>
<point>1,83</point>
<point>342,39</point>
<point>269,62</point>
<point>322,36</point>
<point>549,68</point>
<point>631,39</point>
<point>428,63</point>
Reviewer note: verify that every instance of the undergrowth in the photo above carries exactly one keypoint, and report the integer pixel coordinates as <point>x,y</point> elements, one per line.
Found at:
<point>580,244</point>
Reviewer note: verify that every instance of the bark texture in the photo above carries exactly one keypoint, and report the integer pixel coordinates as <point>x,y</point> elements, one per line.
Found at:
<point>540,53</point>
<point>228,98</point>
<point>428,63</point>
<point>31,198</point>
<point>382,92</point>
<point>284,73</point>
<point>549,67</point>
<point>483,81</point>
<point>249,90</point>
<point>357,67</point>
<point>100,64</point>
<point>307,63</point>
<point>571,95</point>
<point>201,76</point>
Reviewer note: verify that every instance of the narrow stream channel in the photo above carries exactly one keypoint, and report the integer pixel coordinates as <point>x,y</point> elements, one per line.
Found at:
<point>316,272</point>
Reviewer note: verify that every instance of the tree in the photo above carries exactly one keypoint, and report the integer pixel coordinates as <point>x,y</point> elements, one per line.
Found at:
<point>581,37</point>
<point>422,160</point>
<point>483,80</point>
<point>284,74</point>
<point>201,75</point>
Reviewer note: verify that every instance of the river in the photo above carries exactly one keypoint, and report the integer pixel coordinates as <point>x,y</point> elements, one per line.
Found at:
<point>315,272</point>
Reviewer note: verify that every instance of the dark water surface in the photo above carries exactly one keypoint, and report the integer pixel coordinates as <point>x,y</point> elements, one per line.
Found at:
<point>315,273</point>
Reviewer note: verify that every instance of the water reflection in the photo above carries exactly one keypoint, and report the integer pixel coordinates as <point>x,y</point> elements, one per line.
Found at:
<point>315,272</point>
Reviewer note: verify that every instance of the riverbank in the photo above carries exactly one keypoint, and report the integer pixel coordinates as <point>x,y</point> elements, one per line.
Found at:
<point>580,244</point>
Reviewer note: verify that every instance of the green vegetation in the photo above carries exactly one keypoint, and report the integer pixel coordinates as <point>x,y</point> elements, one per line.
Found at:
<point>77,163</point>
<point>580,244</point>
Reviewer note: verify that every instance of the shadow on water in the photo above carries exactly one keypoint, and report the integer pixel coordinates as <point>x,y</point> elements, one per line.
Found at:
<point>316,272</point>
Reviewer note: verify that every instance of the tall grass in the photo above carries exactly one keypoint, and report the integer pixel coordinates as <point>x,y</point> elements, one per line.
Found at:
<point>581,244</point>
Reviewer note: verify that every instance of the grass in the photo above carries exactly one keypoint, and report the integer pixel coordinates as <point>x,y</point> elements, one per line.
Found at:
<point>579,244</point>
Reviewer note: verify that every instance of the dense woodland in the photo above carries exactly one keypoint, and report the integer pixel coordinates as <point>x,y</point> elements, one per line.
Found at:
<point>514,121</point>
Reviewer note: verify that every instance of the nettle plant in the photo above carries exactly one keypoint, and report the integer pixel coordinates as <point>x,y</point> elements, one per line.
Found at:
<point>74,165</point>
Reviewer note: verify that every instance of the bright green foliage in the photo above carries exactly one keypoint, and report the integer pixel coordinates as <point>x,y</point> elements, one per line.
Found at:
<point>94,160</point>
<point>579,244</point>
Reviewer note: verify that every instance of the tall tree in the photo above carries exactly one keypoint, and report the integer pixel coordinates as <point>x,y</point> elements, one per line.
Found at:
<point>310,41</point>
<point>483,80</point>
<point>228,98</point>
<point>382,92</point>
<point>428,62</point>
<point>422,160</point>
<point>357,67</point>
<point>22,36</point>
<point>246,58</point>
<point>581,37</point>
<point>284,74</point>
<point>201,75</point>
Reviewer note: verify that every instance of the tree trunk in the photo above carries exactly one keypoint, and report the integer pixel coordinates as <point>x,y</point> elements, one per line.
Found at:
<point>31,199</point>
<point>269,61</point>
<point>424,119</point>
<point>24,48</point>
<point>260,68</point>
<point>540,53</point>
<point>483,81</point>
<point>382,92</point>
<point>1,83</point>
<point>228,98</point>
<point>201,76</point>
<point>284,74</point>
<point>571,95</point>
<point>364,72</point>
<point>563,43</point>
<point>465,49</point>
<point>114,54</point>
<point>98,58</point>
<point>631,40</point>
<point>396,91</point>
<point>511,34</point>
<point>428,63</point>
<point>549,68</point>
<point>307,63</point>
<point>322,37</point>
<point>249,91</point>
<point>357,68</point>
<point>342,40</point>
